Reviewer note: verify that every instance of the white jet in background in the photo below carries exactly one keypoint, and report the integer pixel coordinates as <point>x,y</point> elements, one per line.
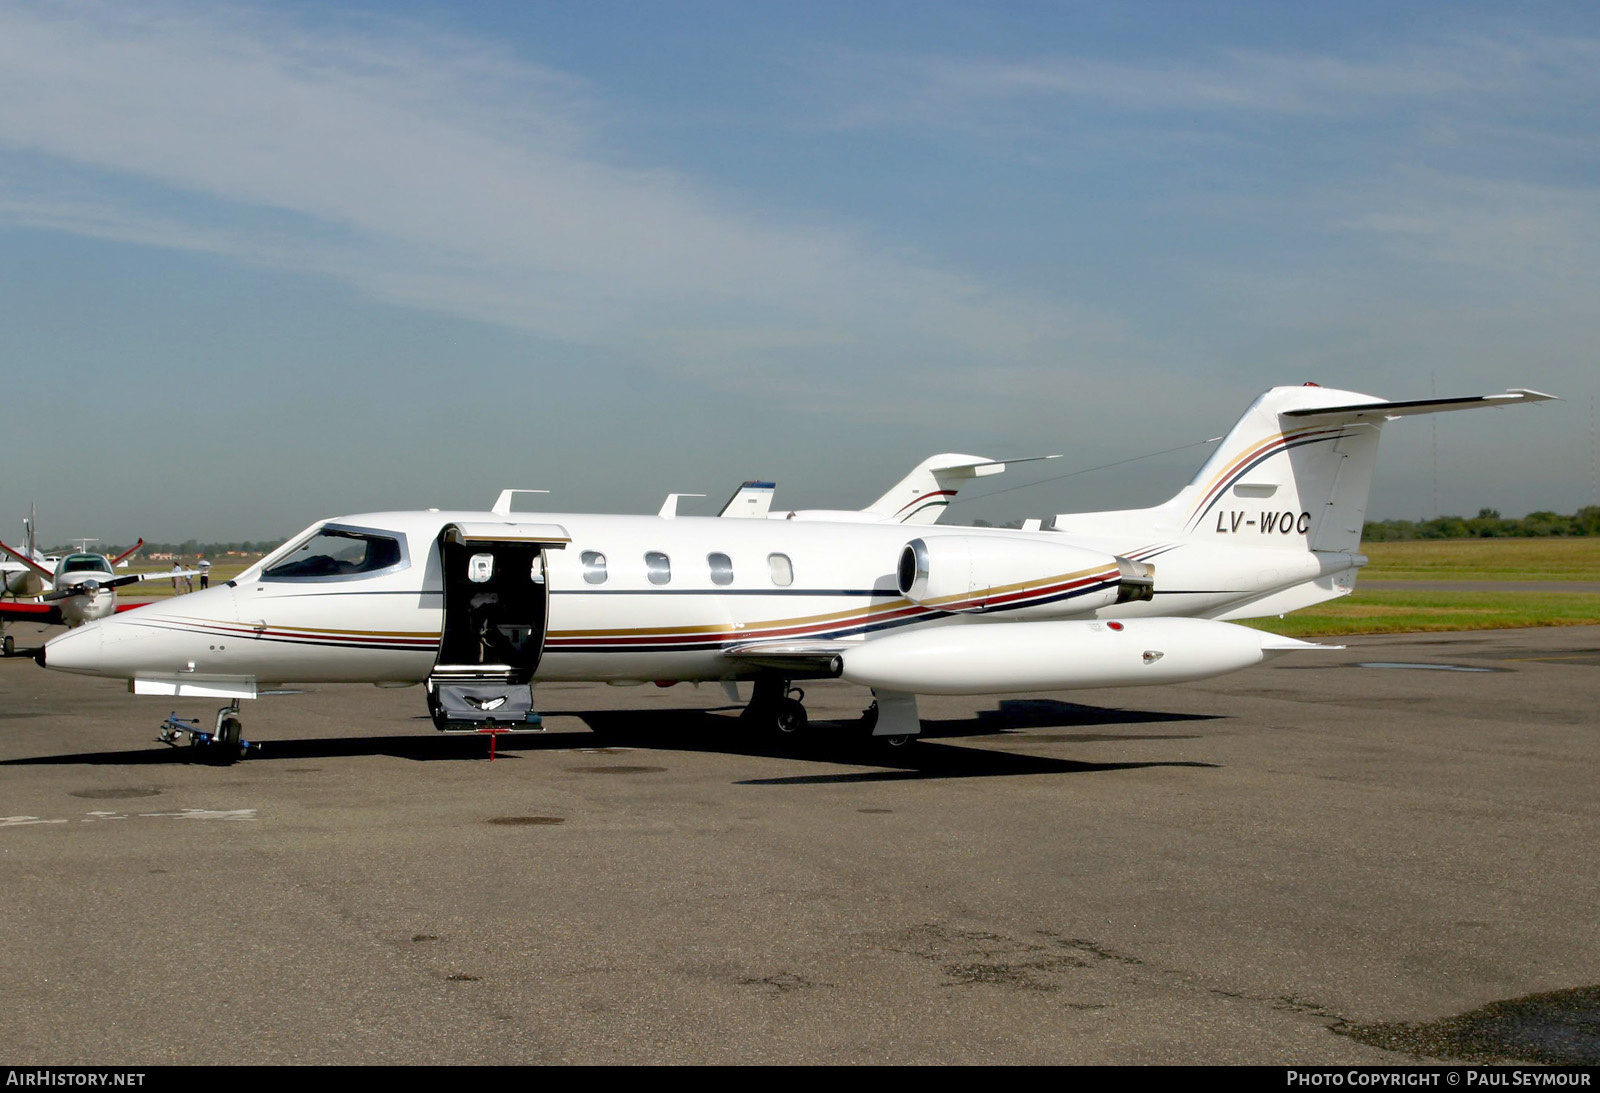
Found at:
<point>477,606</point>
<point>919,498</point>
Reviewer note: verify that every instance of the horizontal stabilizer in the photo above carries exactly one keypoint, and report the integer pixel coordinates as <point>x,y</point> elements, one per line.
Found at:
<point>1387,410</point>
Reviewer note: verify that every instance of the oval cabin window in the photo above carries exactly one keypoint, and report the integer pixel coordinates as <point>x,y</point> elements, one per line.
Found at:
<point>657,567</point>
<point>782,570</point>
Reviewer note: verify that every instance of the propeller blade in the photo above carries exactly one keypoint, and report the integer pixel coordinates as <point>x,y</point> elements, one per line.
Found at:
<point>83,588</point>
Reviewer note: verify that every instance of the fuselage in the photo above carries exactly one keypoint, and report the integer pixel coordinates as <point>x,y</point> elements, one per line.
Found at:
<point>631,598</point>
<point>88,572</point>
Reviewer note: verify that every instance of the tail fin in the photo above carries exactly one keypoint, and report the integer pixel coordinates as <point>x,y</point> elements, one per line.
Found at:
<point>921,496</point>
<point>751,501</point>
<point>1294,473</point>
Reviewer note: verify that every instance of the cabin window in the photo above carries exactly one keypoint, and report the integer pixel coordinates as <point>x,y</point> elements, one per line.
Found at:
<point>721,568</point>
<point>338,553</point>
<point>657,567</point>
<point>594,566</point>
<point>782,570</point>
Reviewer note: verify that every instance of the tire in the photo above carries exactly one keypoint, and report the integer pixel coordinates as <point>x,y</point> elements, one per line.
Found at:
<point>788,719</point>
<point>8,645</point>
<point>230,735</point>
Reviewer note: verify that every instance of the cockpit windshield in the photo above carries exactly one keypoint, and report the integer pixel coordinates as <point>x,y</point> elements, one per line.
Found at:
<point>340,553</point>
<point>84,563</point>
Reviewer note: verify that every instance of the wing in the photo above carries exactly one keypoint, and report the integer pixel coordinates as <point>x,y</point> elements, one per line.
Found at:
<point>47,614</point>
<point>118,560</point>
<point>135,578</point>
<point>27,561</point>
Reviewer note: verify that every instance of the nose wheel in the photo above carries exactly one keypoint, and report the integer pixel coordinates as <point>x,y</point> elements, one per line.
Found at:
<point>224,744</point>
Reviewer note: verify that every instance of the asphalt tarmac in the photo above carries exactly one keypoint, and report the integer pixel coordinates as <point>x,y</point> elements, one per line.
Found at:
<point>1368,856</point>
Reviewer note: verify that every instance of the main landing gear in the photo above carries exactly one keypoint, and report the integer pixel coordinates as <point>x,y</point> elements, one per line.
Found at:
<point>776,710</point>
<point>224,744</point>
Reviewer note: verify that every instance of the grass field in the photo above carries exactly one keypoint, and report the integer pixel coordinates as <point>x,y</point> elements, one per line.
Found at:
<point>1386,611</point>
<point>162,586</point>
<point>1484,560</point>
<point>1400,610</point>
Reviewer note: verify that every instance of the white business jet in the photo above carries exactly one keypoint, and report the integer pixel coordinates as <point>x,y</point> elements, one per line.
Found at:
<point>919,498</point>
<point>477,606</point>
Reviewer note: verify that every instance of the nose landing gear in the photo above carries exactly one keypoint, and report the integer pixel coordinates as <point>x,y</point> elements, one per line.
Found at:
<point>224,744</point>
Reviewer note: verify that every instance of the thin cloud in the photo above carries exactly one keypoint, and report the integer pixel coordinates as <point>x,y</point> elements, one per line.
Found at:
<point>441,174</point>
<point>877,91</point>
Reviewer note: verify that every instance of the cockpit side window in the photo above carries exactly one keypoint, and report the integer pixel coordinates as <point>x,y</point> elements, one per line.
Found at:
<point>335,553</point>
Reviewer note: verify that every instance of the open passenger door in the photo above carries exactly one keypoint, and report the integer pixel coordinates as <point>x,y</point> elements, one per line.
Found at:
<point>496,606</point>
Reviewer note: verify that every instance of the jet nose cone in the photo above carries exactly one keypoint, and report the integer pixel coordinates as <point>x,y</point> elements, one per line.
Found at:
<point>75,651</point>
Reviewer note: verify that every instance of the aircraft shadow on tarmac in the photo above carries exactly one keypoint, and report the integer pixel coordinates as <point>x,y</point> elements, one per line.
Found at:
<point>719,730</point>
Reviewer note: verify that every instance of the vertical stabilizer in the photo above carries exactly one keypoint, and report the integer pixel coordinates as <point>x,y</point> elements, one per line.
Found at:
<point>1293,474</point>
<point>921,496</point>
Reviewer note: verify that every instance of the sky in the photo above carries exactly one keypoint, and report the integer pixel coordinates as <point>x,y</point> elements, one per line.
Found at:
<point>261,265</point>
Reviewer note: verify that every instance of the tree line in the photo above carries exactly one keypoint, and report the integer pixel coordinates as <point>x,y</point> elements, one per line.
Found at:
<point>1488,524</point>
<point>189,548</point>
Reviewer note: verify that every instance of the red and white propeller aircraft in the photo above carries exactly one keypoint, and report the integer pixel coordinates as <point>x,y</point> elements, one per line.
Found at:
<point>477,606</point>
<point>70,590</point>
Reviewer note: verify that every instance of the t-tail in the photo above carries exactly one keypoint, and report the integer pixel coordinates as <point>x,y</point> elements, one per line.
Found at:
<point>919,498</point>
<point>1292,475</point>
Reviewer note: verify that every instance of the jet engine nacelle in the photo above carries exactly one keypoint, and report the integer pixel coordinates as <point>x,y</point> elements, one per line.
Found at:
<point>997,658</point>
<point>1032,579</point>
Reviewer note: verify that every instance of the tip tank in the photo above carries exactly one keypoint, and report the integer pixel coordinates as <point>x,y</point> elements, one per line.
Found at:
<point>996,658</point>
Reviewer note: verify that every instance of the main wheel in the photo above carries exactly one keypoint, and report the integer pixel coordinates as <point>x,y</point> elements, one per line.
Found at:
<point>8,645</point>
<point>788,719</point>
